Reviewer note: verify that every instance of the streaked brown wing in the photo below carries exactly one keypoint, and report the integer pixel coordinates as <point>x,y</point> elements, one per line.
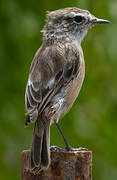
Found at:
<point>48,75</point>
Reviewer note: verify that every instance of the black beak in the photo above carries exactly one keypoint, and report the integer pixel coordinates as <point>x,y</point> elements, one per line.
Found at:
<point>100,21</point>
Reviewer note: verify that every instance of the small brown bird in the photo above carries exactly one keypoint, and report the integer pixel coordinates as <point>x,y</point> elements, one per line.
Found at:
<point>56,76</point>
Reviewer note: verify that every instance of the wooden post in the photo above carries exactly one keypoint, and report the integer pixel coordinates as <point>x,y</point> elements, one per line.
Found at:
<point>72,165</point>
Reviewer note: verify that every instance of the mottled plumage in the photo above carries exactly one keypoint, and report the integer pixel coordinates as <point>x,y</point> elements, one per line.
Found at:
<point>56,76</point>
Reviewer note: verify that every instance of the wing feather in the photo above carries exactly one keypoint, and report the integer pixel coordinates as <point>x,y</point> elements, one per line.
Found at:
<point>45,83</point>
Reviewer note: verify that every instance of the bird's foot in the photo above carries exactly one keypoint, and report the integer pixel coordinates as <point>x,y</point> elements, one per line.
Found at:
<point>56,148</point>
<point>69,148</point>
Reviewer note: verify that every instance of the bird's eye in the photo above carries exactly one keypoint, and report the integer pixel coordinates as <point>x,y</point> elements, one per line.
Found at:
<point>79,19</point>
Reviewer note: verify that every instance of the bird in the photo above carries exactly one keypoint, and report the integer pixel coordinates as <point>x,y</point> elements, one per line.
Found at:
<point>55,78</point>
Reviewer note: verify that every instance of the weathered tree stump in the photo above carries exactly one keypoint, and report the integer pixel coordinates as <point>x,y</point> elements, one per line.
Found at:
<point>72,165</point>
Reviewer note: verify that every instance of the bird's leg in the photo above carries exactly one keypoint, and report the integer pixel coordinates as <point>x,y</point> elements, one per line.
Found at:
<point>68,147</point>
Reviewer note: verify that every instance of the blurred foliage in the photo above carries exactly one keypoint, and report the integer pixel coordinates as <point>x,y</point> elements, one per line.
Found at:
<point>92,122</point>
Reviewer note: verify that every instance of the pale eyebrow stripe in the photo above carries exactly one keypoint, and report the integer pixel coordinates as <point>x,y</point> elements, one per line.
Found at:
<point>77,14</point>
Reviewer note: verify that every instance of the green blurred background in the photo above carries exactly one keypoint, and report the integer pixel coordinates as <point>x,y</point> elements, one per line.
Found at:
<point>92,122</point>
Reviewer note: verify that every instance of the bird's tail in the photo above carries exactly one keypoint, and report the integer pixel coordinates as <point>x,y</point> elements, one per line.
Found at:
<point>40,151</point>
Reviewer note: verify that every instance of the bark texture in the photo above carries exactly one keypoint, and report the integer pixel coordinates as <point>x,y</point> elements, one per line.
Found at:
<point>73,165</point>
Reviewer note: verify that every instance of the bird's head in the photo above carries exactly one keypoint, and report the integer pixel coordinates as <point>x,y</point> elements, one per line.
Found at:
<point>69,23</point>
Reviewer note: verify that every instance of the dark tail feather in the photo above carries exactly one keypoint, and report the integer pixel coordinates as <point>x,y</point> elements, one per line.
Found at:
<point>40,154</point>
<point>45,153</point>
